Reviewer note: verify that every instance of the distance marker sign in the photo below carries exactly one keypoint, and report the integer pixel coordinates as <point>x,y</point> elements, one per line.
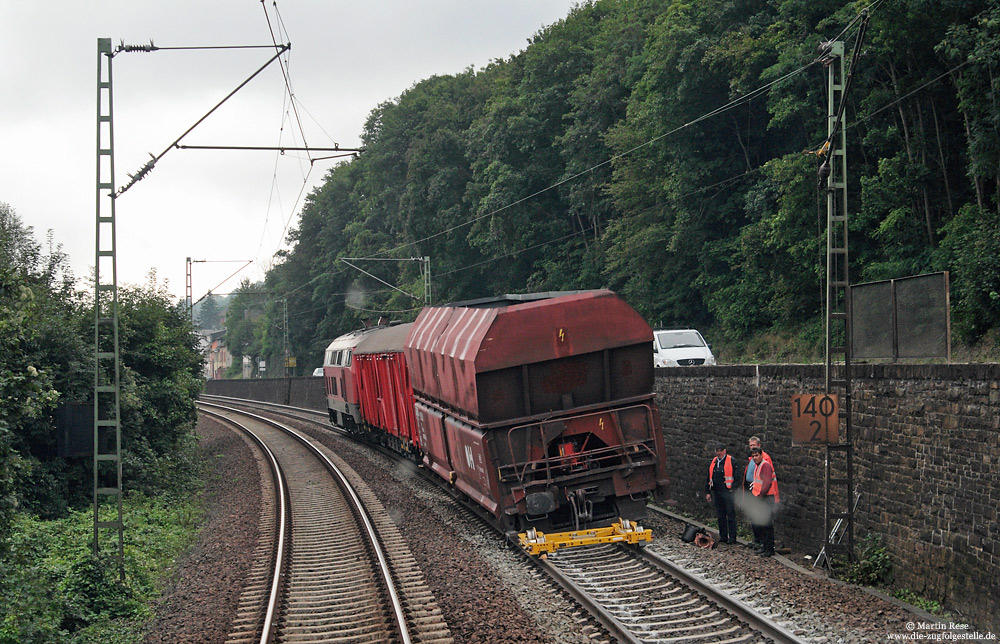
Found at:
<point>815,419</point>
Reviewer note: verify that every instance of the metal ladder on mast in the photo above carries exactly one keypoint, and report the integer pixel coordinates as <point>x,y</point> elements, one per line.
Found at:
<point>838,507</point>
<point>107,387</point>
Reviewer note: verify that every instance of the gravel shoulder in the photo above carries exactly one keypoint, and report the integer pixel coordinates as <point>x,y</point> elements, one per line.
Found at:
<point>202,593</point>
<point>814,607</point>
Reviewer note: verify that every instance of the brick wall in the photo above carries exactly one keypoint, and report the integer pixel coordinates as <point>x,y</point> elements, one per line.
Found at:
<point>927,454</point>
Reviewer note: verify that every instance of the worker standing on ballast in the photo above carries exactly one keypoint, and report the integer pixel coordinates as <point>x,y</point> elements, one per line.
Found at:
<point>751,502</point>
<point>764,488</point>
<point>720,483</point>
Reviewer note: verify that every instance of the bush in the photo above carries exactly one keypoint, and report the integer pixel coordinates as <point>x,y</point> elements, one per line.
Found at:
<point>56,592</point>
<point>873,566</point>
<point>93,590</point>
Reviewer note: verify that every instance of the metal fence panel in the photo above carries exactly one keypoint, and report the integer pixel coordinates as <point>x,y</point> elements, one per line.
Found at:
<point>921,311</point>
<point>902,318</point>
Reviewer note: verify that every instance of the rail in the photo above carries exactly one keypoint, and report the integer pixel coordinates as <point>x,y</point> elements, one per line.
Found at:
<point>359,509</point>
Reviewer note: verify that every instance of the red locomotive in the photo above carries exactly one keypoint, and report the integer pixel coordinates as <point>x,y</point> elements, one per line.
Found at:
<point>537,407</point>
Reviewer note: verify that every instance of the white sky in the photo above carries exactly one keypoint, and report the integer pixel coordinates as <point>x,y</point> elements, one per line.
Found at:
<point>346,58</point>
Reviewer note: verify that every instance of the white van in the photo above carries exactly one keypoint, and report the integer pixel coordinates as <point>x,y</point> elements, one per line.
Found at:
<point>680,348</point>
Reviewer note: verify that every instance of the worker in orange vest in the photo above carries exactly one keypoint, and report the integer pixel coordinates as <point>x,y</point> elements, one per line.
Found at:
<point>720,483</point>
<point>750,501</point>
<point>764,488</point>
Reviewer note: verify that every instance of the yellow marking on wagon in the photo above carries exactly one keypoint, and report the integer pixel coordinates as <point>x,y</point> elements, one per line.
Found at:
<point>623,531</point>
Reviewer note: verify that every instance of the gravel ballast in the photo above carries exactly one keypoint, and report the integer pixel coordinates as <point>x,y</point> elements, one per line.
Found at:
<point>480,583</point>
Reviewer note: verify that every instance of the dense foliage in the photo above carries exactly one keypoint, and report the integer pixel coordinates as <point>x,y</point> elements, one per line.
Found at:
<point>53,588</point>
<point>599,157</point>
<point>56,591</point>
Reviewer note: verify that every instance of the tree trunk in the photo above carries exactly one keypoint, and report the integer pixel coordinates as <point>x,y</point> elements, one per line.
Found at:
<point>975,179</point>
<point>944,166</point>
<point>902,114</point>
<point>923,184</point>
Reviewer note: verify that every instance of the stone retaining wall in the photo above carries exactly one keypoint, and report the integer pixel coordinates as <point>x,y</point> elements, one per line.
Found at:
<point>304,391</point>
<point>926,456</point>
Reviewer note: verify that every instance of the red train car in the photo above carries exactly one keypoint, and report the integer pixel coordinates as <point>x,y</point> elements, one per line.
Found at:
<point>540,407</point>
<point>385,397</point>
<point>368,385</point>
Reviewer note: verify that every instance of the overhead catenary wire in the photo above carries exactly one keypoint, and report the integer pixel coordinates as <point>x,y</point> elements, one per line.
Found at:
<point>149,165</point>
<point>293,104</point>
<point>234,273</point>
<point>284,71</point>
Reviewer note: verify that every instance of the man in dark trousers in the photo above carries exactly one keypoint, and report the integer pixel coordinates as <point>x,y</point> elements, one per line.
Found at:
<point>764,489</point>
<point>720,483</point>
<point>750,503</point>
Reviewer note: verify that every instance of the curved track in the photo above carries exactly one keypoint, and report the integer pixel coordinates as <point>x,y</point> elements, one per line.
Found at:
<point>344,573</point>
<point>636,595</point>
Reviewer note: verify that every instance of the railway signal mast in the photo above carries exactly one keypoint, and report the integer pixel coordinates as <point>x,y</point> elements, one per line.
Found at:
<point>107,390</point>
<point>839,503</point>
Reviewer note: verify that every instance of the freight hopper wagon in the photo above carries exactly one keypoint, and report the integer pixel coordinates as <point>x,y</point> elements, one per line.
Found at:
<point>385,397</point>
<point>540,407</point>
<point>368,386</point>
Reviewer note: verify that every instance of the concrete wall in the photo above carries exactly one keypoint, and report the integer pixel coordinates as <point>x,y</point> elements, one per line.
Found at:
<point>927,456</point>
<point>305,391</point>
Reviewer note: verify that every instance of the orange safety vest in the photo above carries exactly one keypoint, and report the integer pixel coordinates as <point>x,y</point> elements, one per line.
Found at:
<point>758,482</point>
<point>774,486</point>
<point>727,467</point>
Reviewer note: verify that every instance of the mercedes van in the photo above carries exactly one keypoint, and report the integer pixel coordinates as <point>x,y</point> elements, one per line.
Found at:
<point>680,348</point>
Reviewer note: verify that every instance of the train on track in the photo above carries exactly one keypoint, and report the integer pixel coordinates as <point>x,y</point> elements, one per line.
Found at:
<point>539,407</point>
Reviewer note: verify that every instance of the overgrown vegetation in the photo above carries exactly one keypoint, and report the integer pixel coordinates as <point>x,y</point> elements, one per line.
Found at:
<point>873,567</point>
<point>589,160</point>
<point>912,598</point>
<point>54,589</point>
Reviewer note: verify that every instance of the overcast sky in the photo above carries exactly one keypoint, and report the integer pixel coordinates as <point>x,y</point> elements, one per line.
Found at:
<point>346,58</point>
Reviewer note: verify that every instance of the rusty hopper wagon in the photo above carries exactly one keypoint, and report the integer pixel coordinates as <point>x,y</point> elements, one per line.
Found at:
<point>540,407</point>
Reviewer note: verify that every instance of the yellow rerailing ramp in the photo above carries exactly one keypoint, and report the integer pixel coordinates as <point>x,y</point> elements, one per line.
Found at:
<point>624,531</point>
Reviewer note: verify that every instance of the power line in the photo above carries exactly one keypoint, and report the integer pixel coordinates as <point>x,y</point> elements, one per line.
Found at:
<point>142,172</point>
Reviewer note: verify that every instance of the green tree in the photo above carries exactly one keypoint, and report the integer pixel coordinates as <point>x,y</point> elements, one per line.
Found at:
<point>210,314</point>
<point>40,363</point>
<point>246,309</point>
<point>656,147</point>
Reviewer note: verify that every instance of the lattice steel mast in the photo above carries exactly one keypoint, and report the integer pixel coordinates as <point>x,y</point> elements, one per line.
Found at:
<point>839,507</point>
<point>107,388</point>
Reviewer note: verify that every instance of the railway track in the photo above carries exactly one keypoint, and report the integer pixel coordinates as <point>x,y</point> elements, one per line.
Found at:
<point>334,568</point>
<point>639,596</point>
<point>634,594</point>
